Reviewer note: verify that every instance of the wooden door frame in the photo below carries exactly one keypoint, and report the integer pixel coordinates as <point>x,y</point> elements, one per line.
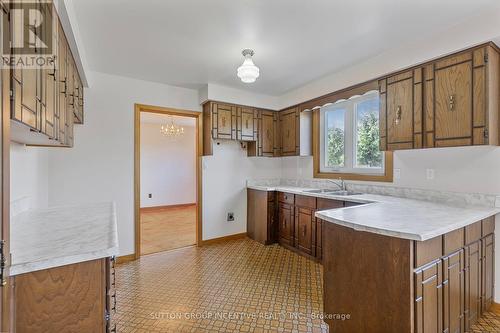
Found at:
<point>138,108</point>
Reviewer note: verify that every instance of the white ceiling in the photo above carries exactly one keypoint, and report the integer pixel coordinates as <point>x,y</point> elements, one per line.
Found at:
<point>158,118</point>
<point>190,43</point>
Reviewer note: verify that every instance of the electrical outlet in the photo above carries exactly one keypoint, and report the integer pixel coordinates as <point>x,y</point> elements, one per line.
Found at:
<point>397,173</point>
<point>150,195</point>
<point>429,174</point>
<point>230,217</point>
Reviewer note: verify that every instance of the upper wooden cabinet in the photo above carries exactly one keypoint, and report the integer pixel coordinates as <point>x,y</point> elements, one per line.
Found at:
<point>246,124</point>
<point>448,102</point>
<point>48,100</point>
<point>400,111</point>
<point>289,131</point>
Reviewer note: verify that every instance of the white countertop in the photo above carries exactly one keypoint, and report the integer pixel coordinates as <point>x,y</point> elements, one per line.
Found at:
<point>57,236</point>
<point>397,217</point>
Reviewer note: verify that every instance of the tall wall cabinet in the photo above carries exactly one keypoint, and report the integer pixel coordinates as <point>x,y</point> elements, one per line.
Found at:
<point>46,102</point>
<point>449,102</point>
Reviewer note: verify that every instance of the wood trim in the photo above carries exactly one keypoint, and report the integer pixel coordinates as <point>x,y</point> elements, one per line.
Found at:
<point>156,208</point>
<point>198,115</point>
<point>125,258</point>
<point>223,239</point>
<point>389,161</point>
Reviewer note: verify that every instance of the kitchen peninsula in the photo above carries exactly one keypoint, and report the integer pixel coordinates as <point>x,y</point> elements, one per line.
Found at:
<point>392,264</point>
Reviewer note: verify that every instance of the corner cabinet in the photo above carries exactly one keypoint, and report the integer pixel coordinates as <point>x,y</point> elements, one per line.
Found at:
<point>46,102</point>
<point>449,102</point>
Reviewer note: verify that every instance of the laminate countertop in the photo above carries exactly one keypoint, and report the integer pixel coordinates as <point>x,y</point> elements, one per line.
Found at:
<point>58,236</point>
<point>396,217</point>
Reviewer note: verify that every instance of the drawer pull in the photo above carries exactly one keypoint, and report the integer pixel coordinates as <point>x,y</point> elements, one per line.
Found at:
<point>452,102</point>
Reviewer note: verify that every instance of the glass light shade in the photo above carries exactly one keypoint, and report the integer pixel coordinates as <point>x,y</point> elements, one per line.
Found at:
<point>248,72</point>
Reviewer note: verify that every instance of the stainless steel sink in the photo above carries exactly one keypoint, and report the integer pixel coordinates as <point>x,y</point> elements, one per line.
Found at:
<point>328,191</point>
<point>323,190</point>
<point>343,193</point>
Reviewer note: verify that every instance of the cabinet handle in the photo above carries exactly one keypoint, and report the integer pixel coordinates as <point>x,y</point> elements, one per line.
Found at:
<point>287,133</point>
<point>452,102</point>
<point>268,134</point>
<point>398,115</point>
<point>304,230</point>
<point>223,121</point>
<point>246,124</point>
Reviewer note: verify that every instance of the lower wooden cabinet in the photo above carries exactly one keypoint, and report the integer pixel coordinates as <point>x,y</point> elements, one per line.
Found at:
<point>286,227</point>
<point>79,298</point>
<point>452,290</point>
<point>262,216</point>
<point>429,298</point>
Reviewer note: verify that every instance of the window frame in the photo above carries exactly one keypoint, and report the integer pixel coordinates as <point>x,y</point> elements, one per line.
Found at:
<point>350,137</point>
<point>315,105</point>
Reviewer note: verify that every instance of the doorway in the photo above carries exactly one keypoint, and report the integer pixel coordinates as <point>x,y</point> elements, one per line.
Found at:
<point>167,179</point>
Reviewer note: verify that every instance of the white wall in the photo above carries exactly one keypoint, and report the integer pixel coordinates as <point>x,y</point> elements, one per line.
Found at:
<point>29,175</point>
<point>100,167</point>
<point>224,186</point>
<point>168,168</point>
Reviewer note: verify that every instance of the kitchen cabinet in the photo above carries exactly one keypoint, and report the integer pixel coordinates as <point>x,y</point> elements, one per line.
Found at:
<point>262,216</point>
<point>324,204</point>
<point>286,229</point>
<point>289,132</point>
<point>454,292</point>
<point>401,111</point>
<point>79,297</point>
<point>246,124</point>
<point>429,298</point>
<point>223,121</point>
<point>44,104</point>
<point>268,131</point>
<point>447,278</point>
<point>305,224</point>
<point>448,102</point>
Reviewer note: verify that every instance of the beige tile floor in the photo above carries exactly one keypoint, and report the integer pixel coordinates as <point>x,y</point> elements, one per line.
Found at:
<point>236,286</point>
<point>167,229</point>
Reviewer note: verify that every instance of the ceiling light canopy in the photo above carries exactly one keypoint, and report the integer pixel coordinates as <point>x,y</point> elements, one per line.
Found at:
<point>248,72</point>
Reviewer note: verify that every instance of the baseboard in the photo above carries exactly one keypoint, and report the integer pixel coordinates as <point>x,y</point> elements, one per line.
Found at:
<point>223,239</point>
<point>155,208</point>
<point>124,259</point>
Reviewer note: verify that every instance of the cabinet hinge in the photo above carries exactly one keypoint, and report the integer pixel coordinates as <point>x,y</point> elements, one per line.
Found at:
<point>3,281</point>
<point>486,133</point>
<point>485,58</point>
<point>11,93</point>
<point>107,316</point>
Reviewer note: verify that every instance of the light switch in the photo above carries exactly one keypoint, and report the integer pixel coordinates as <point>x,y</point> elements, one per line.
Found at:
<point>430,174</point>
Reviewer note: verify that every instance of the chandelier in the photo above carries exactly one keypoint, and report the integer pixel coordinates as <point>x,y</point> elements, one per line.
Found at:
<point>248,72</point>
<point>172,130</point>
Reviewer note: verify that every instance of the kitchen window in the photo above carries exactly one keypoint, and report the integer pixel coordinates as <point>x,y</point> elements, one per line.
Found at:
<point>349,136</point>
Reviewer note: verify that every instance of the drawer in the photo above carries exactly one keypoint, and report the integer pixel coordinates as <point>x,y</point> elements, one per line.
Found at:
<point>323,204</point>
<point>428,250</point>
<point>453,241</point>
<point>286,198</point>
<point>473,232</point>
<point>305,201</point>
<point>488,225</point>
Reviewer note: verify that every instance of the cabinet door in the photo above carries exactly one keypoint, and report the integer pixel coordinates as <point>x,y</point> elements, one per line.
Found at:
<point>429,299</point>
<point>472,283</point>
<point>488,254</point>
<point>289,123</point>
<point>400,112</point>
<point>223,121</point>
<point>286,224</point>
<point>304,232</point>
<point>246,124</point>
<point>24,82</point>
<point>266,133</point>
<point>62,66</point>
<point>453,102</point>
<point>319,239</point>
<point>453,292</point>
<point>272,226</point>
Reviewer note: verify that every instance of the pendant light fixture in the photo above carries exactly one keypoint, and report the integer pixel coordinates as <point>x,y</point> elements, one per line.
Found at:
<point>248,72</point>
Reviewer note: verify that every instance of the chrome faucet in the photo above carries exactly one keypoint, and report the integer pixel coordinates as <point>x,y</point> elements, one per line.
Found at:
<point>340,183</point>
